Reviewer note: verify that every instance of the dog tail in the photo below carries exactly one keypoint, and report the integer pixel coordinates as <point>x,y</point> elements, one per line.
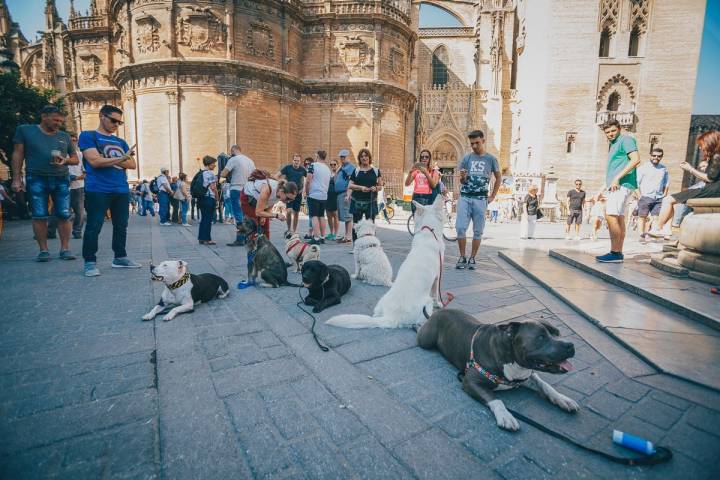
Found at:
<point>361,321</point>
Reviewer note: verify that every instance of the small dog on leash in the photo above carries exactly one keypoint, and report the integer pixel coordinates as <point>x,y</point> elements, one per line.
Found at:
<point>300,252</point>
<point>325,284</point>
<point>371,264</point>
<point>183,288</point>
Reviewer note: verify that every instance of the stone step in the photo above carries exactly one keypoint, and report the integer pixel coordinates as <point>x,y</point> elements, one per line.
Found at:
<point>664,338</point>
<point>685,296</point>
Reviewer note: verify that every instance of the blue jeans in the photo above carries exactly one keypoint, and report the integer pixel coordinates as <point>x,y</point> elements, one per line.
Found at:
<point>96,204</point>
<point>237,212</point>
<point>40,188</point>
<point>207,213</point>
<point>471,208</point>
<point>184,205</point>
<point>494,215</point>
<point>164,201</point>
<point>680,212</point>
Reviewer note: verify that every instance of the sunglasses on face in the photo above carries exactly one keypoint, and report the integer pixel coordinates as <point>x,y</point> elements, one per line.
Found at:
<point>333,164</point>
<point>114,120</point>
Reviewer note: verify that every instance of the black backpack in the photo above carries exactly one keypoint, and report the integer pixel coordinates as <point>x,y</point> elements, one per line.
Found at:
<point>197,190</point>
<point>154,186</point>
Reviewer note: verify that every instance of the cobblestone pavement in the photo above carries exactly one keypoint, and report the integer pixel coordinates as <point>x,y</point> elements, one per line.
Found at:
<point>238,389</point>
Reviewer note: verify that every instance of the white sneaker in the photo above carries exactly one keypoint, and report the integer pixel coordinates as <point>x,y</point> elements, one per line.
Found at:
<point>166,224</point>
<point>567,236</point>
<point>656,233</point>
<point>186,225</point>
<point>577,237</point>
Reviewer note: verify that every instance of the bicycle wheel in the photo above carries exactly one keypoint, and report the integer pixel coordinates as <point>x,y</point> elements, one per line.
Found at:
<point>411,225</point>
<point>449,232</point>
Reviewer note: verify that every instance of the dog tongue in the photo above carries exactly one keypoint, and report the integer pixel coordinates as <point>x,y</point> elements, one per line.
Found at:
<point>567,366</point>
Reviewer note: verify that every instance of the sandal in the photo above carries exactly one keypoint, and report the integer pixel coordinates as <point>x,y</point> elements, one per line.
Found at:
<point>344,240</point>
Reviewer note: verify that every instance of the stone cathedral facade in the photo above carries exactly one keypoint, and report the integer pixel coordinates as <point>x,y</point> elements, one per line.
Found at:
<point>284,76</point>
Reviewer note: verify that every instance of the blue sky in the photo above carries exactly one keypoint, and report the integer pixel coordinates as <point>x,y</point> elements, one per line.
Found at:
<point>29,14</point>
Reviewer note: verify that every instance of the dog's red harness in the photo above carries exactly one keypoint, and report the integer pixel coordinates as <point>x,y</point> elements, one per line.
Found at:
<point>302,249</point>
<point>448,295</point>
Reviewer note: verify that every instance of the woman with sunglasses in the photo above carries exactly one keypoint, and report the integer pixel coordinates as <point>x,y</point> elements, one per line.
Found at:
<point>425,180</point>
<point>364,184</point>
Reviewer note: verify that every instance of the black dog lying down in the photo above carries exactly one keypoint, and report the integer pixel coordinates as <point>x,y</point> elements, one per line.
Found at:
<point>499,357</point>
<point>264,260</point>
<point>326,283</point>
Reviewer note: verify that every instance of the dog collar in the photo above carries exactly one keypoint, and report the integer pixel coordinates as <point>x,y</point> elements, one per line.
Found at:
<point>496,379</point>
<point>183,280</point>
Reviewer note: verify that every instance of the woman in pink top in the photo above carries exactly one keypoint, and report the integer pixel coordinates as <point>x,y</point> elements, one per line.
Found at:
<point>424,180</point>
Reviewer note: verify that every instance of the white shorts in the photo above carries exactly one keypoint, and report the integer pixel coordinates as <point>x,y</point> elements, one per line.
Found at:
<point>617,201</point>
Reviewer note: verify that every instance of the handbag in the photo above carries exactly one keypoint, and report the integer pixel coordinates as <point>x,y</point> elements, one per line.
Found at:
<point>539,214</point>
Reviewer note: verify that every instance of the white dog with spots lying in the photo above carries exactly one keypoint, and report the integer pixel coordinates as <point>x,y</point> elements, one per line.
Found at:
<point>183,289</point>
<point>371,264</point>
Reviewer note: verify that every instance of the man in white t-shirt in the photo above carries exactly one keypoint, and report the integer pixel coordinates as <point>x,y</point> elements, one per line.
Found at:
<point>236,171</point>
<point>317,183</point>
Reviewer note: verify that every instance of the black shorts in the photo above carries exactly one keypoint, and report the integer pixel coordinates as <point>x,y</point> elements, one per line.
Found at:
<point>316,208</point>
<point>331,203</point>
<point>576,216</point>
<point>649,206</point>
<point>295,204</point>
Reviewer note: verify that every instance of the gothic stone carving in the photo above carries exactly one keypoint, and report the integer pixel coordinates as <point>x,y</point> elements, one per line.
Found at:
<point>148,34</point>
<point>89,67</point>
<point>259,40</point>
<point>397,62</point>
<point>356,55</point>
<point>201,30</point>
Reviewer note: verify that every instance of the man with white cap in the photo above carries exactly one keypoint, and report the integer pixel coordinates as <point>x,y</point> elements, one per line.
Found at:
<point>342,179</point>
<point>163,196</point>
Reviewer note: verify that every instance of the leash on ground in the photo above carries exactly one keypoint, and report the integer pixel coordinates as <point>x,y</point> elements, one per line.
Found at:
<point>661,455</point>
<point>312,328</point>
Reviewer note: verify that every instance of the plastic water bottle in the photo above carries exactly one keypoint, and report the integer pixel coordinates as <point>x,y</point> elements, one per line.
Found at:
<point>634,443</point>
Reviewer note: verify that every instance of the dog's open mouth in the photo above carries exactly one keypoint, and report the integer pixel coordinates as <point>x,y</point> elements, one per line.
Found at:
<point>562,367</point>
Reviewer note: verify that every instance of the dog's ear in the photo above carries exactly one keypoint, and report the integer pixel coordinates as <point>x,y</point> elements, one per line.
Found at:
<point>511,328</point>
<point>550,328</point>
<point>418,208</point>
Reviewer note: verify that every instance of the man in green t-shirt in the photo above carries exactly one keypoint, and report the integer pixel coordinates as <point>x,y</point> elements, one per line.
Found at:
<point>620,182</point>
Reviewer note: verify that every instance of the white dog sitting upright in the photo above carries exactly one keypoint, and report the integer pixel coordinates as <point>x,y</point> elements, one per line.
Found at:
<point>416,286</point>
<point>184,289</point>
<point>300,252</point>
<point>371,264</point>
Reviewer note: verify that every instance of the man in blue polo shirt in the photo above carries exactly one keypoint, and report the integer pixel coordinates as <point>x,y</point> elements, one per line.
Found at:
<point>106,158</point>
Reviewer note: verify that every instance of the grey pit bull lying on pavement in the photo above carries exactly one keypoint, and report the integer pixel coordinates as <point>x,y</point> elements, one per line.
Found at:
<point>499,357</point>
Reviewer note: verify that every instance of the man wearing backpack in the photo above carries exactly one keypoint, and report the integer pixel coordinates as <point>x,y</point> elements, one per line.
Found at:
<point>236,171</point>
<point>163,196</point>
<point>106,158</point>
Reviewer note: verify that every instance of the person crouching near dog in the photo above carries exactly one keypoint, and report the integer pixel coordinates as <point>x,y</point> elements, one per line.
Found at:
<point>364,184</point>
<point>208,201</point>
<point>261,194</point>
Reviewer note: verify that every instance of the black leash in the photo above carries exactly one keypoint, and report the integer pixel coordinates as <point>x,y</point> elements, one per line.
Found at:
<point>661,455</point>
<point>312,328</point>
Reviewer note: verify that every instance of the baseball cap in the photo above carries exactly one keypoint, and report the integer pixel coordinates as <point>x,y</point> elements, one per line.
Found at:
<point>344,153</point>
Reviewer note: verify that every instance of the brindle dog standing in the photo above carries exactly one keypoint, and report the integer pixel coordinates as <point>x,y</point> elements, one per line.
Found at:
<point>505,356</point>
<point>264,260</point>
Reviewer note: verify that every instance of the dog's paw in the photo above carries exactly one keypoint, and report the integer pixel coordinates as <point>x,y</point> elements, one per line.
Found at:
<point>507,422</point>
<point>317,309</point>
<point>566,403</point>
<point>353,276</point>
<point>168,317</point>
<point>148,317</point>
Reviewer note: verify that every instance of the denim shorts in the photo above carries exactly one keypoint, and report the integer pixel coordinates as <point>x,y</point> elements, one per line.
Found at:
<point>471,208</point>
<point>41,187</point>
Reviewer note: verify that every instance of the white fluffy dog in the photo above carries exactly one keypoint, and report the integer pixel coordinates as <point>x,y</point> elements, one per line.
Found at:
<point>300,252</point>
<point>416,285</point>
<point>371,264</point>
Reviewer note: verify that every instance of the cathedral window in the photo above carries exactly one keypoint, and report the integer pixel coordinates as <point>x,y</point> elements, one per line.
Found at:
<point>439,66</point>
<point>613,103</point>
<point>605,39</point>
<point>570,142</point>
<point>636,38</point>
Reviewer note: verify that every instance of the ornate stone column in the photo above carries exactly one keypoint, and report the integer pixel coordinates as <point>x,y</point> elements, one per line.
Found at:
<point>175,148</point>
<point>230,118</point>
<point>377,111</point>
